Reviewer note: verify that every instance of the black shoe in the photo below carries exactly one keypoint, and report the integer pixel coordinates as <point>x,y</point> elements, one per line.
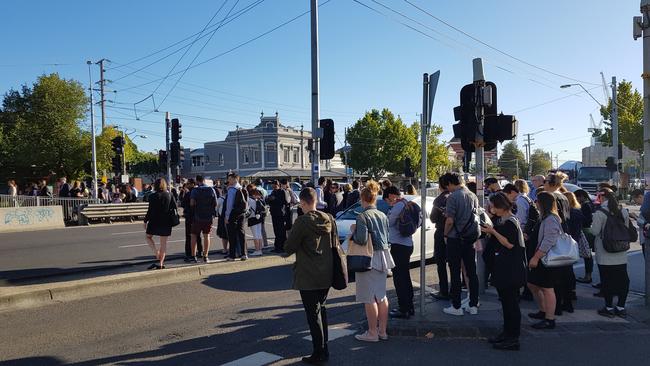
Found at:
<point>558,311</point>
<point>507,345</point>
<point>187,259</point>
<point>397,314</point>
<point>194,260</point>
<point>160,267</point>
<point>606,313</point>
<point>568,308</point>
<point>439,296</point>
<point>620,313</point>
<point>598,285</point>
<point>153,266</point>
<point>538,315</point>
<point>498,338</point>
<point>599,294</point>
<point>544,324</point>
<point>585,279</point>
<point>315,359</point>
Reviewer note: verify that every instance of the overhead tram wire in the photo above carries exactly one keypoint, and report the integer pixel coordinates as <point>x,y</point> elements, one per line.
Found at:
<point>235,16</point>
<point>242,44</point>
<point>198,53</point>
<point>496,49</point>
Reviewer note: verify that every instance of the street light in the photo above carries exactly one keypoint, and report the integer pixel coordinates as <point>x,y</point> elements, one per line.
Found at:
<point>92,128</point>
<point>583,88</point>
<point>557,161</point>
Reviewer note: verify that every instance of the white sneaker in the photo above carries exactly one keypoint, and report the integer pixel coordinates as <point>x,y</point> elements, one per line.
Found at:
<point>464,302</point>
<point>472,310</point>
<point>451,310</point>
<point>257,253</point>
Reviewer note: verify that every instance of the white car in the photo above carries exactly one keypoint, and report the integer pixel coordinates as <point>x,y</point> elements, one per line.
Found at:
<point>348,217</point>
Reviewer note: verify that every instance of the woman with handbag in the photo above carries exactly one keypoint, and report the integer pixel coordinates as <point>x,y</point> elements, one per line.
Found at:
<point>612,266</point>
<point>575,223</point>
<point>587,209</point>
<point>542,279</point>
<point>371,229</point>
<point>509,269</point>
<point>159,220</point>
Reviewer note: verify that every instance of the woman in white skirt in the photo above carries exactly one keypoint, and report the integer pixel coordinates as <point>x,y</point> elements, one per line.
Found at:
<point>371,285</point>
<point>255,219</point>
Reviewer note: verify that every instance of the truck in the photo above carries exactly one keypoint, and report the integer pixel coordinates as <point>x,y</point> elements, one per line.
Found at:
<point>589,177</point>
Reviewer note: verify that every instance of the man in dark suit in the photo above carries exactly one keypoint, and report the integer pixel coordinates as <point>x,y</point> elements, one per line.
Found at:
<point>278,200</point>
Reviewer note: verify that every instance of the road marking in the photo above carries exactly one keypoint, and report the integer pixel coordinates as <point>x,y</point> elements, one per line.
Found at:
<point>129,232</point>
<point>334,333</point>
<point>144,245</point>
<point>256,359</point>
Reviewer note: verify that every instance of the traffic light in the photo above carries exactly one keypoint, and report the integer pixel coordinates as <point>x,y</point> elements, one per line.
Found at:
<point>175,148</point>
<point>118,144</point>
<point>117,164</point>
<point>327,141</point>
<point>408,170</point>
<point>162,160</point>
<point>176,130</point>
<point>610,164</point>
<point>467,127</point>
<point>181,155</point>
<point>500,128</point>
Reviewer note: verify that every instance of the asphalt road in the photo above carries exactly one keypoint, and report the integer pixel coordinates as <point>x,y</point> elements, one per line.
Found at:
<point>30,254</point>
<point>253,315</point>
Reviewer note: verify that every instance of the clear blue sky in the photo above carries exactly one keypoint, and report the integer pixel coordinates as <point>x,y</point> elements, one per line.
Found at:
<point>367,60</point>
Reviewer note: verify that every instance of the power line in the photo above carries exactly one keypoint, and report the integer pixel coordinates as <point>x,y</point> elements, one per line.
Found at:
<point>496,49</point>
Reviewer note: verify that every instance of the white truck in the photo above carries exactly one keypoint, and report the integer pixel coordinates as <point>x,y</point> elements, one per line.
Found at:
<point>589,177</point>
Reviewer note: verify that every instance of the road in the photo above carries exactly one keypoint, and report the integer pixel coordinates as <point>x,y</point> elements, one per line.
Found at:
<point>50,252</point>
<point>253,315</point>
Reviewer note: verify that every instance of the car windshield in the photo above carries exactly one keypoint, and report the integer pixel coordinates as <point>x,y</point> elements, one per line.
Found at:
<point>594,174</point>
<point>354,210</point>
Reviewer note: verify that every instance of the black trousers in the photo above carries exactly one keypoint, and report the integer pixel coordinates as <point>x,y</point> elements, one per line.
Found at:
<point>615,282</point>
<point>488,259</point>
<point>188,239</point>
<point>440,256</point>
<point>511,314</point>
<point>402,277</point>
<point>462,250</point>
<point>236,238</point>
<point>316,311</point>
<point>563,287</point>
<point>279,230</point>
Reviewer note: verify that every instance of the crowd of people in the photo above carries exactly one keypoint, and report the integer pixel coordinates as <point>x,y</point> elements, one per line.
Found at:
<point>515,235</point>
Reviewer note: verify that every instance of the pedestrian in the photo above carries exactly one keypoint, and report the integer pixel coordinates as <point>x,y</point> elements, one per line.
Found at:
<point>257,210</point>
<point>437,217</point>
<point>401,248</point>
<point>235,213</point>
<point>354,195</point>
<point>12,190</point>
<point>536,182</point>
<point>637,197</point>
<point>320,194</point>
<point>75,191</point>
<point>44,190</point>
<point>64,190</point>
<point>410,190</point>
<point>158,220</point>
<point>575,224</point>
<point>327,191</point>
<point>542,279</point>
<point>492,186</point>
<point>222,232</point>
<point>335,200</point>
<point>611,266</point>
<point>293,201</point>
<point>278,201</point>
<point>371,285</point>
<point>509,269</point>
<point>188,214</point>
<point>130,195</point>
<point>85,192</point>
<point>461,231</point>
<point>203,201</point>
<point>311,240</point>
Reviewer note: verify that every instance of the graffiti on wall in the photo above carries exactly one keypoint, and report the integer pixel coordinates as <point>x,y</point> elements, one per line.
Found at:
<point>29,216</point>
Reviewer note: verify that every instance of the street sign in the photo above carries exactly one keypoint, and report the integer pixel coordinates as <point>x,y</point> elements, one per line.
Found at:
<point>125,179</point>
<point>104,179</point>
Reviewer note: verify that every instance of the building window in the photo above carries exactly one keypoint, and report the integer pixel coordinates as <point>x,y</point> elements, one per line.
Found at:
<point>270,146</point>
<point>220,161</point>
<point>296,155</point>
<point>246,156</point>
<point>256,156</point>
<point>287,155</point>
<point>197,161</point>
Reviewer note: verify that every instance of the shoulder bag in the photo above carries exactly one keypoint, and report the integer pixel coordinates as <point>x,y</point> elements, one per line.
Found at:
<point>359,256</point>
<point>563,253</point>
<point>339,264</point>
<point>174,218</point>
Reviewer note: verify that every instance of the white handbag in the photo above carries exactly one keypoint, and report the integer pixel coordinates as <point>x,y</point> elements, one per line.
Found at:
<point>563,253</point>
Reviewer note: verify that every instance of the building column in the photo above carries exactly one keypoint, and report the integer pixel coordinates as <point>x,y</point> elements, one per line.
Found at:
<point>237,149</point>
<point>263,152</point>
<point>302,148</point>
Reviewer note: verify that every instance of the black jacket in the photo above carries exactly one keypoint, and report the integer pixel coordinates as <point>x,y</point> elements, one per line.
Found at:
<point>160,203</point>
<point>279,200</point>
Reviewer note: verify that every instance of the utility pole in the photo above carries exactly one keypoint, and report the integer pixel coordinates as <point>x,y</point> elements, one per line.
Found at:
<point>169,153</point>
<point>479,84</point>
<point>615,133</point>
<point>316,132</point>
<point>530,166</point>
<point>642,28</point>
<point>123,154</point>
<point>92,130</point>
<point>101,91</point>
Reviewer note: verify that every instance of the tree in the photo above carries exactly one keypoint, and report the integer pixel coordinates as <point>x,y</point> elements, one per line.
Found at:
<point>630,115</point>
<point>437,154</point>
<point>380,142</point>
<point>41,132</point>
<point>510,158</point>
<point>540,161</point>
<point>145,164</point>
<point>105,153</point>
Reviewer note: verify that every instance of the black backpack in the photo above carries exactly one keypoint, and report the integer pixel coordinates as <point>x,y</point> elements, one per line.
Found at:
<point>533,216</point>
<point>409,219</point>
<point>617,236</point>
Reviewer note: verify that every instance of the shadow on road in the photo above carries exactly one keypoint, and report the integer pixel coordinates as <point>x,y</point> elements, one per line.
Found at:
<point>267,280</point>
<point>41,361</point>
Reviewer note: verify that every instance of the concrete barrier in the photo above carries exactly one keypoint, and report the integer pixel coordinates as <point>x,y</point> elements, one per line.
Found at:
<point>31,218</point>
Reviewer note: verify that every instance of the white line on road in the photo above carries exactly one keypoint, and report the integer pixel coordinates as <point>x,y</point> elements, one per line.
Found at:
<point>334,333</point>
<point>144,245</point>
<point>129,232</point>
<point>256,359</point>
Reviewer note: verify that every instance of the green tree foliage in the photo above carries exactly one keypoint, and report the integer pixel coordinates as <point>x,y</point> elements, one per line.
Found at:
<point>105,153</point>
<point>41,133</point>
<point>630,115</point>
<point>144,164</point>
<point>438,161</point>
<point>380,142</point>
<point>540,161</point>
<point>510,158</point>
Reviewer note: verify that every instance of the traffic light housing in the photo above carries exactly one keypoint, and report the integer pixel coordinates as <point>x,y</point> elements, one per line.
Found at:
<point>176,130</point>
<point>610,164</point>
<point>162,160</point>
<point>181,155</point>
<point>408,170</point>
<point>118,145</point>
<point>467,127</point>
<point>327,141</point>
<point>177,152</point>
<point>117,164</point>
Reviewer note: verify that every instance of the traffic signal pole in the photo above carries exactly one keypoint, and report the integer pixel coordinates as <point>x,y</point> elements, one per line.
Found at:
<point>615,133</point>
<point>169,155</point>
<point>315,117</point>
<point>479,83</point>
<point>123,154</point>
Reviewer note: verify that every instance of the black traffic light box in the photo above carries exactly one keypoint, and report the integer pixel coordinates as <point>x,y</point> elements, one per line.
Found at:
<point>408,169</point>
<point>162,160</point>
<point>175,148</point>
<point>327,141</point>
<point>176,130</point>
<point>610,164</point>
<point>467,127</point>
<point>118,144</point>
<point>117,164</point>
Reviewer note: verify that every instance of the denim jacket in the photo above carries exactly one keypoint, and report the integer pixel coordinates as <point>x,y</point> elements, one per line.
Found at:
<point>374,221</point>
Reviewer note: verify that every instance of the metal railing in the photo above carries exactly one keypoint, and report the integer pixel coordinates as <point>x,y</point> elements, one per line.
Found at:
<point>71,206</point>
